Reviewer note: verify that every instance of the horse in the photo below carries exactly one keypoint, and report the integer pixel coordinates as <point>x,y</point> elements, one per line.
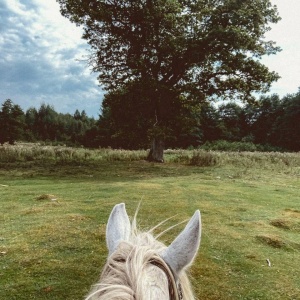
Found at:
<point>139,267</point>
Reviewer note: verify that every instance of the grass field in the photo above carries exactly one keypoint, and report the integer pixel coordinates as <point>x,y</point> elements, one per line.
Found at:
<point>53,216</point>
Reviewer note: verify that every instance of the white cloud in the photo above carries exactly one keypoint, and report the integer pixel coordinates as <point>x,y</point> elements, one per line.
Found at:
<point>286,34</point>
<point>40,59</point>
<point>42,52</point>
<point>16,7</point>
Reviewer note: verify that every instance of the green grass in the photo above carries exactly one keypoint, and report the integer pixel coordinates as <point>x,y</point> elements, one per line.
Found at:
<point>53,216</point>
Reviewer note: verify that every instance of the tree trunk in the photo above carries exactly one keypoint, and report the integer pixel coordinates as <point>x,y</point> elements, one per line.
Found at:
<point>156,153</point>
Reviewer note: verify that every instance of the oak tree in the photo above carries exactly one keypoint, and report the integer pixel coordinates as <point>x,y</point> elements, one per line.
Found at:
<point>178,49</point>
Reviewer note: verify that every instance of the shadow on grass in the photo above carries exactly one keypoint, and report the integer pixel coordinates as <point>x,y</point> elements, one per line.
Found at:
<point>104,171</point>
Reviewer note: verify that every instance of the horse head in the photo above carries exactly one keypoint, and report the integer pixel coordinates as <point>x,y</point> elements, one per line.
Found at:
<point>141,268</point>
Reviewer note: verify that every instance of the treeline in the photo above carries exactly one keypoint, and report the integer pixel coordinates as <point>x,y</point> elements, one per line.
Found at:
<point>43,124</point>
<point>271,121</point>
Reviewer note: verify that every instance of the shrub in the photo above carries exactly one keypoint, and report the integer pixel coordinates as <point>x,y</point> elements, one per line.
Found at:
<point>222,145</point>
<point>203,159</point>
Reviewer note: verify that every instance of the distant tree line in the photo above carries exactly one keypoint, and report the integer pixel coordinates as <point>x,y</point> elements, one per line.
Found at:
<point>271,120</point>
<point>43,124</point>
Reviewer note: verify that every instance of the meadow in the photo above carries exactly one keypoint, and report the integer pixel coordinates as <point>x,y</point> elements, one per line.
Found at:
<point>55,202</point>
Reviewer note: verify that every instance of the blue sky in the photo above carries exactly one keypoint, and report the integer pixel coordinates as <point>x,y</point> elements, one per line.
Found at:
<point>42,57</point>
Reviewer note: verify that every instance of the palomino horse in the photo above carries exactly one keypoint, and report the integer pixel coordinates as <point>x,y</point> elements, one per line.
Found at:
<point>141,268</point>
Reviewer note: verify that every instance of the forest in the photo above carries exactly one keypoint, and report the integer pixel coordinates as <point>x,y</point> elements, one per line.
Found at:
<point>270,122</point>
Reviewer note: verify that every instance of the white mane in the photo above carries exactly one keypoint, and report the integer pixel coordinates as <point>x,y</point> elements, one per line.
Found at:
<point>131,271</point>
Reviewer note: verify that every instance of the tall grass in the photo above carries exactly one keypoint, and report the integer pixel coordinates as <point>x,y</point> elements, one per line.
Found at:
<point>36,152</point>
<point>222,145</point>
<point>268,160</point>
<point>25,152</point>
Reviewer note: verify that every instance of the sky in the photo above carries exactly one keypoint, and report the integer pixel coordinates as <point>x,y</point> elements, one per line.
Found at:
<point>43,57</point>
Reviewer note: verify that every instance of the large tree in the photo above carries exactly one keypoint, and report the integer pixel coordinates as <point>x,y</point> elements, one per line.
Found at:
<point>204,49</point>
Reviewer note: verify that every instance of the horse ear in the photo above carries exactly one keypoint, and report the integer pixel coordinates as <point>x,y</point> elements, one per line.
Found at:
<point>184,248</point>
<point>118,227</point>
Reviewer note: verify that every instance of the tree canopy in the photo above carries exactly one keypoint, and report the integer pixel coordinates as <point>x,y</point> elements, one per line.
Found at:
<point>11,122</point>
<point>204,49</point>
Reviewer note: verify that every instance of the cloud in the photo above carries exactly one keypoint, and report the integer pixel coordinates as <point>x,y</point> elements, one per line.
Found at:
<point>286,34</point>
<point>42,56</point>
<point>42,59</point>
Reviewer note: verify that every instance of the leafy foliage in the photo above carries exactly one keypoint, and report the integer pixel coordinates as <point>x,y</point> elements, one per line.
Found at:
<point>275,121</point>
<point>269,121</point>
<point>12,122</point>
<point>208,46</point>
<point>44,124</point>
<point>269,124</point>
<point>176,50</point>
<point>128,113</point>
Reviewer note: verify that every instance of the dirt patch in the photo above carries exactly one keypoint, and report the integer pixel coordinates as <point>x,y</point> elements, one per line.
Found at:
<point>77,217</point>
<point>277,242</point>
<point>281,223</point>
<point>252,257</point>
<point>295,213</point>
<point>272,241</point>
<point>33,210</point>
<point>46,197</point>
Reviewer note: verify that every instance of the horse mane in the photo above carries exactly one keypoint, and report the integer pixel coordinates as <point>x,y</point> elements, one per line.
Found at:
<point>121,278</point>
